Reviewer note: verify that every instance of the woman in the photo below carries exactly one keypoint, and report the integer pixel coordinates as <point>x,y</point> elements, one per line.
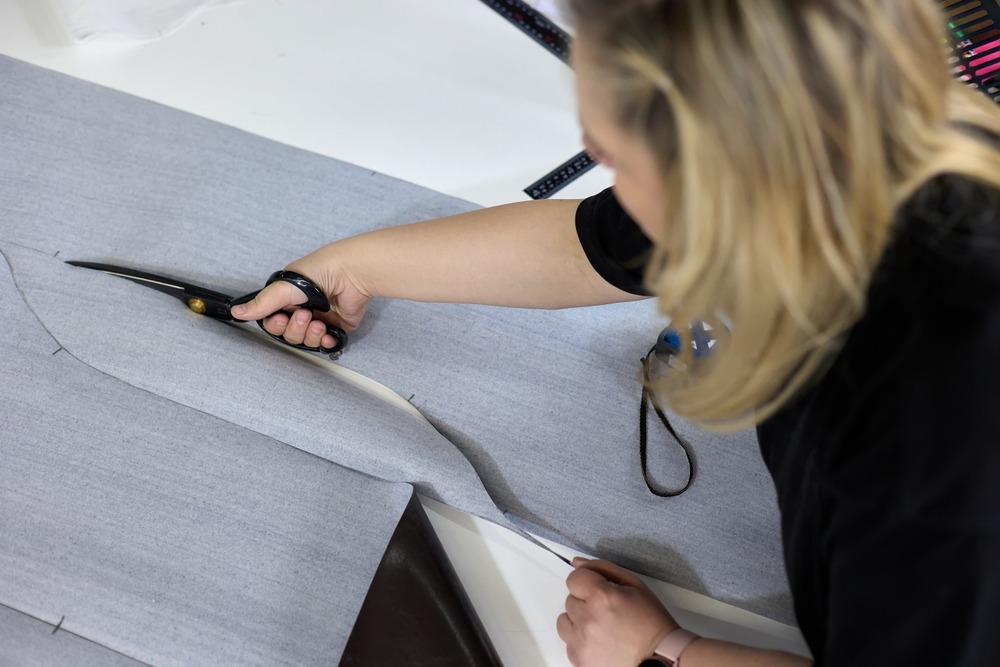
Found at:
<point>806,175</point>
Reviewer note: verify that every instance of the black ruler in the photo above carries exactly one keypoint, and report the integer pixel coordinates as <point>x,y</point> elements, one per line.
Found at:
<point>535,25</point>
<point>556,179</point>
<point>556,41</point>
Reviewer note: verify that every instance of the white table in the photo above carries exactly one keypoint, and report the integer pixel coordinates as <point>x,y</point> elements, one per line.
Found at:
<point>442,93</point>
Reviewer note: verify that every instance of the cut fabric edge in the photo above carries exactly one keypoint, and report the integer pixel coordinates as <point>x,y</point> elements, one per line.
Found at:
<point>352,378</point>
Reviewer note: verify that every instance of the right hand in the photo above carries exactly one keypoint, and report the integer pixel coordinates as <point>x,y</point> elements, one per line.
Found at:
<point>348,303</point>
<point>612,618</point>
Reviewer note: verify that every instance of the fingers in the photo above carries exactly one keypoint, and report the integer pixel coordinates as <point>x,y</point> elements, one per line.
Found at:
<point>612,617</point>
<point>583,583</point>
<point>576,609</point>
<point>347,310</point>
<point>276,324</point>
<point>595,578</point>
<point>609,571</point>
<point>564,627</point>
<point>273,298</point>
<point>300,328</point>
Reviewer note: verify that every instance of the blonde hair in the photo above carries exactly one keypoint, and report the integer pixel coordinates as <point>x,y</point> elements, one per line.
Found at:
<point>788,135</point>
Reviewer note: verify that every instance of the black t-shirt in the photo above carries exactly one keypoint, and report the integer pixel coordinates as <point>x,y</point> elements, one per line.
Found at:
<point>614,244</point>
<point>888,467</point>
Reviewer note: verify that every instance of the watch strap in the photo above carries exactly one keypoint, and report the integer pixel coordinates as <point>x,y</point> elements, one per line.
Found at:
<point>674,644</point>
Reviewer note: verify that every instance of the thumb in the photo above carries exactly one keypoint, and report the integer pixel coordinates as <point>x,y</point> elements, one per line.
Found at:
<point>271,299</point>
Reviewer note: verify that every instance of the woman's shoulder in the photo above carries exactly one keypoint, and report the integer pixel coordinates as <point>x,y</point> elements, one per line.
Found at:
<point>951,224</point>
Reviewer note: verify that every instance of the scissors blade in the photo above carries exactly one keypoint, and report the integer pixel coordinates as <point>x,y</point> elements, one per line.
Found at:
<point>197,298</point>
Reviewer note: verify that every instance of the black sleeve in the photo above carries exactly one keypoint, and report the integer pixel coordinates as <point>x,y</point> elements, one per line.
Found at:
<point>614,244</point>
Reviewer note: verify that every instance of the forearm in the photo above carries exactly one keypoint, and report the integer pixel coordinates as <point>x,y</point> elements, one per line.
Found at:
<point>716,653</point>
<point>524,255</point>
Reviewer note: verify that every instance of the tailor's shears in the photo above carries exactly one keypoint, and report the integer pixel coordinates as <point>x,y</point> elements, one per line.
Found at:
<point>218,306</point>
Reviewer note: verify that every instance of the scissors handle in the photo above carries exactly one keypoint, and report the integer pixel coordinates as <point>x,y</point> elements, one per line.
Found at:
<point>315,300</point>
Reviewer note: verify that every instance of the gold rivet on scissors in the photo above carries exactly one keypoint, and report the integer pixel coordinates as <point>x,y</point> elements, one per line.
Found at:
<point>197,305</point>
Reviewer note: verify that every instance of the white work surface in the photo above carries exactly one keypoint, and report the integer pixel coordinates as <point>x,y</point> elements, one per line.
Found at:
<point>445,94</point>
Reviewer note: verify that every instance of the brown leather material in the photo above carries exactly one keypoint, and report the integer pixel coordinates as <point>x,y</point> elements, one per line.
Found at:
<point>416,612</point>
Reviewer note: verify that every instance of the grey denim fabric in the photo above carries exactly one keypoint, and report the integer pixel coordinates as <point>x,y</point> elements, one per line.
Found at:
<point>28,642</point>
<point>167,534</point>
<point>536,411</point>
<point>154,343</point>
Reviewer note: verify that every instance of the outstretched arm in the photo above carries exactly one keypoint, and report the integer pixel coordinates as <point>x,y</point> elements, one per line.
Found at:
<point>524,255</point>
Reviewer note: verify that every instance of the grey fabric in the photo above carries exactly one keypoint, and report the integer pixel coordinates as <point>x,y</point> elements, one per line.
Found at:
<point>154,343</point>
<point>164,533</point>
<point>543,404</point>
<point>28,642</point>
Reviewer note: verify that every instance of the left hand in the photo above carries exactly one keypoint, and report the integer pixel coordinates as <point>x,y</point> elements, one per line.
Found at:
<point>612,618</point>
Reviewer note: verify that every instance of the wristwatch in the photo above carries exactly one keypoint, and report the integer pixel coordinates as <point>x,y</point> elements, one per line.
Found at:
<point>668,652</point>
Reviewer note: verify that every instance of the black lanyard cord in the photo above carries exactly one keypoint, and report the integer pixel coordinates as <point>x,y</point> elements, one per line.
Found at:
<point>648,399</point>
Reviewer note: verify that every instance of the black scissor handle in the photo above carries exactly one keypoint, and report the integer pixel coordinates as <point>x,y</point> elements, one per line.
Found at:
<point>315,300</point>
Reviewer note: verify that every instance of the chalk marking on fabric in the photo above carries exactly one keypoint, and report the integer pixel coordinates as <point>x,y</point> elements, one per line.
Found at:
<point>20,612</point>
<point>58,625</point>
<point>26,247</point>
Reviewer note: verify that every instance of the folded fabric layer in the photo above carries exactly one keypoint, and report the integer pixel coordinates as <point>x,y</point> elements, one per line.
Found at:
<point>542,404</point>
<point>168,535</point>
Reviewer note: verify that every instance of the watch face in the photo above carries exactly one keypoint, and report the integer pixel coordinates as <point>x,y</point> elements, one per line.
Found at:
<point>655,662</point>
